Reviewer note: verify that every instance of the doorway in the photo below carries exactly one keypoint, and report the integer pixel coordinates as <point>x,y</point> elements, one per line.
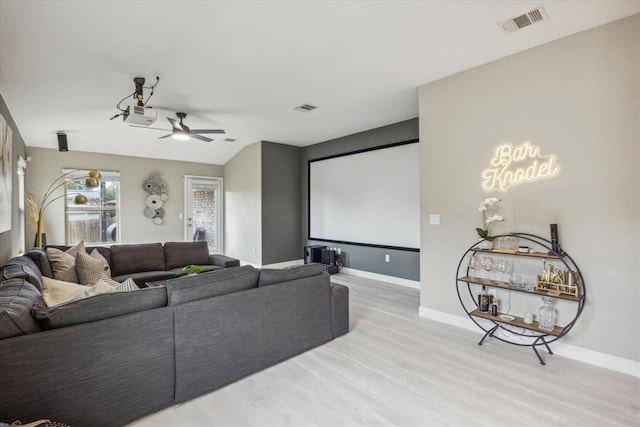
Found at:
<point>203,211</point>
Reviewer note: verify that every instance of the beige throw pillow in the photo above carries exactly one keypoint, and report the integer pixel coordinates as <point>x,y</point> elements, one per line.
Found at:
<point>57,292</point>
<point>89,267</point>
<point>64,262</point>
<point>127,285</point>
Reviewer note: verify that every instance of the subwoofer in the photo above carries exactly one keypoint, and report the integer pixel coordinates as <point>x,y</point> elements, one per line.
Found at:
<point>313,254</point>
<point>329,257</point>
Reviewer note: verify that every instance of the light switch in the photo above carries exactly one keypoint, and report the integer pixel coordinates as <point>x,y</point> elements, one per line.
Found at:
<point>434,219</point>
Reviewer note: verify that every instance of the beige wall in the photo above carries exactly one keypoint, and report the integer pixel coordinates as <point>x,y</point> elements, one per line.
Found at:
<point>243,208</point>
<point>577,98</point>
<point>47,164</point>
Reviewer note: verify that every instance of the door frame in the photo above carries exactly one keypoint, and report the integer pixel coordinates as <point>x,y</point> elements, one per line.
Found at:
<point>219,181</point>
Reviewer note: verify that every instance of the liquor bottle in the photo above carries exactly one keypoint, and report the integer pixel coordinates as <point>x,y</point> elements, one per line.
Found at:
<point>483,300</point>
<point>494,306</point>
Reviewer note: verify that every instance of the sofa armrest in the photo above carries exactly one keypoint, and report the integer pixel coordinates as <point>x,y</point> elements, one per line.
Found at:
<point>223,261</point>
<point>339,310</point>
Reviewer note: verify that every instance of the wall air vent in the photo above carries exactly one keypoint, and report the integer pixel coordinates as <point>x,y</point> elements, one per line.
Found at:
<point>305,108</point>
<point>519,22</point>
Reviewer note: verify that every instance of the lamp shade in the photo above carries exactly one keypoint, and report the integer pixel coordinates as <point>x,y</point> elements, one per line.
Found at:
<point>91,182</point>
<point>80,200</point>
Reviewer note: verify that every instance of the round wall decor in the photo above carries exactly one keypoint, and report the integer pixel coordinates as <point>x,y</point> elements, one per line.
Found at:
<point>158,195</point>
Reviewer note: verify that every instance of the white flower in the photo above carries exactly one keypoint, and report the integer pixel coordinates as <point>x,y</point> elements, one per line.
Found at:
<point>494,218</point>
<point>488,202</point>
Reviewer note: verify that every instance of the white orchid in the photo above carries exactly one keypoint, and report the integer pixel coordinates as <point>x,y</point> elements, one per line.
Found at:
<point>494,218</point>
<point>488,202</point>
<point>486,222</point>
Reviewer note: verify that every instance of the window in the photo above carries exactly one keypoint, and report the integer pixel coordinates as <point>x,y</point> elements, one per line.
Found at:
<point>96,221</point>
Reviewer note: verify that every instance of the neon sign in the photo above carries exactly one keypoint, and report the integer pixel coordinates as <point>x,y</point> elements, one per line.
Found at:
<point>516,164</point>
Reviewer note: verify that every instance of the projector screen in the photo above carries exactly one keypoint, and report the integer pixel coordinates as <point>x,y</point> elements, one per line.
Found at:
<point>368,198</point>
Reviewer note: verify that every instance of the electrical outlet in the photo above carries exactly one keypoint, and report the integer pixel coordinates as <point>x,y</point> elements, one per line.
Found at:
<point>386,258</point>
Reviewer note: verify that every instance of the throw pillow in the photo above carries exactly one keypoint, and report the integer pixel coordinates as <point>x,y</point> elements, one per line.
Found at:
<point>64,262</point>
<point>89,267</point>
<point>127,285</point>
<point>57,292</point>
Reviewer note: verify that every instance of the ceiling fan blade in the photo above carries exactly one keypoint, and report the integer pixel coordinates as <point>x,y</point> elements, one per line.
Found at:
<point>207,130</point>
<point>200,137</point>
<point>175,124</point>
<point>166,136</point>
<point>149,127</point>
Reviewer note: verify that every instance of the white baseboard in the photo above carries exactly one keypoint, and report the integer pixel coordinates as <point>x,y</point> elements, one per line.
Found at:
<point>615,363</point>
<point>381,277</point>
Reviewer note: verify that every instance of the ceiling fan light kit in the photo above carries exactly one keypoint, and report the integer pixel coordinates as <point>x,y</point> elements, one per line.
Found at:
<point>182,132</point>
<point>180,135</point>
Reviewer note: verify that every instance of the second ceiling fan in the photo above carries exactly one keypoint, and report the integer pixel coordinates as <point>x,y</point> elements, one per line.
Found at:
<point>183,132</point>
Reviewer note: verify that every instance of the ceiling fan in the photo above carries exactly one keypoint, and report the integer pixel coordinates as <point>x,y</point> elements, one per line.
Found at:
<point>182,132</point>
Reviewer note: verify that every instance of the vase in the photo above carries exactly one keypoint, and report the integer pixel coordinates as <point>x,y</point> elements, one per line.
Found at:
<point>485,244</point>
<point>41,237</point>
<point>547,315</point>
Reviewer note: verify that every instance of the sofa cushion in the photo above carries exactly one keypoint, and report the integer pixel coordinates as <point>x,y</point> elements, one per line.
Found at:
<point>22,267</point>
<point>17,296</point>
<point>89,267</point>
<point>179,254</point>
<point>99,307</point>
<point>223,261</point>
<point>126,259</point>
<point>271,276</point>
<point>64,262</point>
<point>57,292</point>
<point>39,258</point>
<point>211,284</point>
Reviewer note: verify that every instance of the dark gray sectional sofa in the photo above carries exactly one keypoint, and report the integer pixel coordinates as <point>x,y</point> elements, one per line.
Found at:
<point>146,262</point>
<point>112,358</point>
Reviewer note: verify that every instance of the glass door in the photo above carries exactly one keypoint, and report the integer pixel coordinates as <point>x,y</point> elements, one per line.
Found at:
<point>203,211</point>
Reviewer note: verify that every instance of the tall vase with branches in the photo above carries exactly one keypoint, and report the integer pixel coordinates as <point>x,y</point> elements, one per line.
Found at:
<point>35,211</point>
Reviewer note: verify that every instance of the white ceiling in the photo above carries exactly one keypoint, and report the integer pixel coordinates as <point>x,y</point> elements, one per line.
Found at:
<point>244,66</point>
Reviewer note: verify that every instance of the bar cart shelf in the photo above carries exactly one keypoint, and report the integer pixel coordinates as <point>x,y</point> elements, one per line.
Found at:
<point>510,328</point>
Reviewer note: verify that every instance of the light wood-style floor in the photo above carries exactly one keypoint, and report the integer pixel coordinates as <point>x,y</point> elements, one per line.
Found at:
<point>395,368</point>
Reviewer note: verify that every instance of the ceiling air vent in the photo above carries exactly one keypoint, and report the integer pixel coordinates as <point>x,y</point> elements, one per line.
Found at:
<point>305,108</point>
<point>532,17</point>
<point>230,140</point>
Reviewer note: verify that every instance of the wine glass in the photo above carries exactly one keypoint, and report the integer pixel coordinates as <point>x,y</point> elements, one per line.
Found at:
<point>472,266</point>
<point>486,262</point>
<point>503,268</point>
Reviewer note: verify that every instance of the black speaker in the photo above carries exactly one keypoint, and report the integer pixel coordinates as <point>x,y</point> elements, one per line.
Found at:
<point>313,254</point>
<point>62,142</point>
<point>328,257</point>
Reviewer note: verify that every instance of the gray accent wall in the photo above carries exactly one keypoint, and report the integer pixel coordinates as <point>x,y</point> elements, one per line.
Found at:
<point>11,242</point>
<point>281,200</point>
<point>402,264</point>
